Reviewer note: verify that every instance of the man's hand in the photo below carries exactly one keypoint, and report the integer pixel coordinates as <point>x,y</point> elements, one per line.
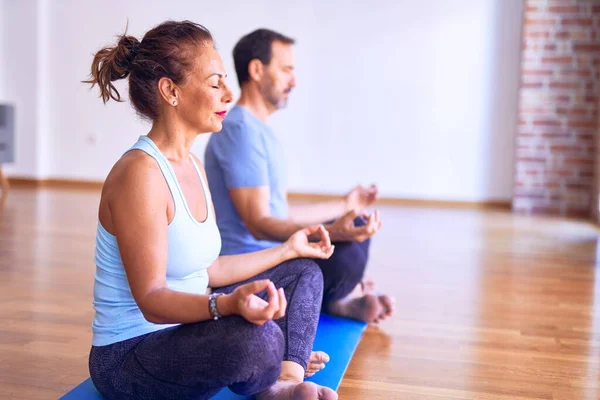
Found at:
<point>344,230</point>
<point>361,197</point>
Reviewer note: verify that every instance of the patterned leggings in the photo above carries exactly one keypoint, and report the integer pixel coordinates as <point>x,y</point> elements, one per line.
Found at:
<point>195,361</point>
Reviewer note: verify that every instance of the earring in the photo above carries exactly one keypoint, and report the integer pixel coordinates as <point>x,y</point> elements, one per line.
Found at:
<point>174,102</point>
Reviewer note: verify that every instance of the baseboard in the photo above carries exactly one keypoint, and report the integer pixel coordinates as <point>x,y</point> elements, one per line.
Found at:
<point>55,183</point>
<point>75,184</point>
<point>398,201</point>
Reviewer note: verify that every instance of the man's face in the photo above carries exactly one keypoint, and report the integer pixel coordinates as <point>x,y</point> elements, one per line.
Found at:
<point>279,79</point>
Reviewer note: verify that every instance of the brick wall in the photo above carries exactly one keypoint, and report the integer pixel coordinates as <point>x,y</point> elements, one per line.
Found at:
<point>558,108</point>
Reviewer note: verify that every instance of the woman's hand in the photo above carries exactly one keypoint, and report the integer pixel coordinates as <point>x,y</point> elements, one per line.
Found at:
<point>301,247</point>
<point>243,301</point>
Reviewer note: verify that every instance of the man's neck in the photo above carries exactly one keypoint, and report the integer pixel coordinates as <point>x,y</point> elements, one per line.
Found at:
<point>254,102</point>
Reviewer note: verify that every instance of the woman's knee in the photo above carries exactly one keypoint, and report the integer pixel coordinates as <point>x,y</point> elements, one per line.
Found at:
<point>265,343</point>
<point>260,358</point>
<point>307,270</point>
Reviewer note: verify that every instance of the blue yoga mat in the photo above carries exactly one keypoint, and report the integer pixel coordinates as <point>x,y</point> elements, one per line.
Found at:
<point>338,337</point>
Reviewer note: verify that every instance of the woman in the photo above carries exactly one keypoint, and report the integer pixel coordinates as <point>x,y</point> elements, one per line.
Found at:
<point>156,334</point>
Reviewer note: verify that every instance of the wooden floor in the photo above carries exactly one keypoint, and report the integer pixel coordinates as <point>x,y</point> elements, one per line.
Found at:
<point>490,305</point>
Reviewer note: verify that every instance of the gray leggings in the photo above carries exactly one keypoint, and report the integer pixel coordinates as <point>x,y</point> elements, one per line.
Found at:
<point>195,361</point>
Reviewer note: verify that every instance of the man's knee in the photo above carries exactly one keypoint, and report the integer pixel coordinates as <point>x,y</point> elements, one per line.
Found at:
<point>350,259</point>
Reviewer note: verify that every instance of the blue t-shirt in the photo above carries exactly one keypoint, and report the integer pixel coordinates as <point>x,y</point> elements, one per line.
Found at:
<point>245,153</point>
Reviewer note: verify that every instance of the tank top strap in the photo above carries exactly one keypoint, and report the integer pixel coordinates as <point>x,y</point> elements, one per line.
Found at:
<point>146,145</point>
<point>205,189</point>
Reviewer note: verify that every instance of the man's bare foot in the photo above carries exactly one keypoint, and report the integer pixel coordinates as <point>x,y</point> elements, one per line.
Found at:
<point>370,308</point>
<point>316,363</point>
<point>367,284</point>
<point>289,390</point>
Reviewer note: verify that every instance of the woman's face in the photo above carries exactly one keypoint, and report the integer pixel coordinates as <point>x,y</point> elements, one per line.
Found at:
<point>203,98</point>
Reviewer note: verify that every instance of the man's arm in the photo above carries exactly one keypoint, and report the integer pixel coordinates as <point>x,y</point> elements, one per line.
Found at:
<point>317,213</point>
<point>252,204</point>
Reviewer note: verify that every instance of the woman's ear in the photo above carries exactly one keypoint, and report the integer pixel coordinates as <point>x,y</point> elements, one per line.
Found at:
<point>168,91</point>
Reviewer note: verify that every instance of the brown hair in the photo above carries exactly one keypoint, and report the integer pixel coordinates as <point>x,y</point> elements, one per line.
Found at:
<point>168,50</point>
<point>255,45</point>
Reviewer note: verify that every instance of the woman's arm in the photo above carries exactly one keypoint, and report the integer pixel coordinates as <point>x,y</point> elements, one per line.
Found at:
<point>139,221</point>
<point>227,270</point>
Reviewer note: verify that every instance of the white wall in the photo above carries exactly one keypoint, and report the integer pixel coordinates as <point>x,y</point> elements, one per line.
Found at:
<point>20,62</point>
<point>2,60</point>
<point>417,96</point>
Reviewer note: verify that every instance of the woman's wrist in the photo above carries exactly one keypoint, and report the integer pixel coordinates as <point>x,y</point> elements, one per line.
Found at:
<point>287,252</point>
<point>225,305</point>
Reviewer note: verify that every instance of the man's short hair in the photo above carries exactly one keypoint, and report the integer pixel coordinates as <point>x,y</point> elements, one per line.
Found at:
<point>255,45</point>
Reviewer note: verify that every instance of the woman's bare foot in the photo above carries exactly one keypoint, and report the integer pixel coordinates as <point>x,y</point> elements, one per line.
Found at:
<point>370,308</point>
<point>316,363</point>
<point>290,390</point>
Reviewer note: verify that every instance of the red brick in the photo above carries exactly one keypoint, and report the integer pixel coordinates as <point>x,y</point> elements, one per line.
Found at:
<point>565,85</point>
<point>586,47</point>
<point>579,186</point>
<point>586,167</point>
<point>575,111</point>
<point>585,137</point>
<point>577,22</point>
<point>540,21</point>
<point>546,122</point>
<point>547,185</point>
<point>587,174</point>
<point>550,47</point>
<point>537,72</point>
<point>532,159</point>
<point>582,124</point>
<point>532,85</point>
<point>562,35</point>
<point>561,172</point>
<point>537,34</point>
<point>550,135</point>
<point>564,148</point>
<point>563,9</point>
<point>560,98</point>
<point>526,134</point>
<point>528,110</point>
<point>579,161</point>
<point>596,9</point>
<point>557,60</point>
<point>578,72</point>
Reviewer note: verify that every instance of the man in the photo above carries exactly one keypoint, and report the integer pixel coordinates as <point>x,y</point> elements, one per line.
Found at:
<point>246,178</point>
